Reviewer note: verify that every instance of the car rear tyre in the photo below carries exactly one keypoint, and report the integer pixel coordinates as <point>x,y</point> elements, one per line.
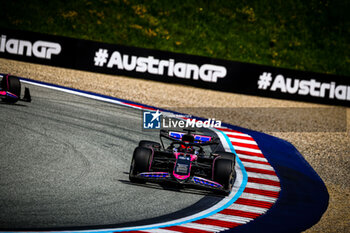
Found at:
<point>224,173</point>
<point>227,155</point>
<point>140,163</point>
<point>13,85</point>
<point>149,144</point>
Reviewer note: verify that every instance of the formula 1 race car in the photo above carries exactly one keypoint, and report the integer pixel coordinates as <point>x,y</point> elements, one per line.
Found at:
<point>186,162</point>
<point>10,90</point>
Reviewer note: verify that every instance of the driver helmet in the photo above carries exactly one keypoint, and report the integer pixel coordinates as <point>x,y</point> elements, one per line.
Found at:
<point>187,138</point>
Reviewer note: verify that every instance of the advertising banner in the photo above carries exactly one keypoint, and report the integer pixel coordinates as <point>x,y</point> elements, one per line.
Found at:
<point>204,72</point>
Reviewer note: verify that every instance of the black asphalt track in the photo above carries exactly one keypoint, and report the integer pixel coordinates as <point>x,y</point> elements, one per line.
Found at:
<point>64,163</point>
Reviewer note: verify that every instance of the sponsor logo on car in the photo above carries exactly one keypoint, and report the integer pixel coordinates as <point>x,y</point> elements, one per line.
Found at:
<point>40,49</point>
<point>310,87</point>
<point>152,65</point>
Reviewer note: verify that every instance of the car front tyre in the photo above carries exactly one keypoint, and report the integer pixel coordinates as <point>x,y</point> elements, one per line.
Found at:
<point>13,85</point>
<point>140,163</point>
<point>224,173</point>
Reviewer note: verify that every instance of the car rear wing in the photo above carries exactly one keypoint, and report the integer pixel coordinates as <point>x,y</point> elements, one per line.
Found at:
<point>197,137</point>
<point>200,140</point>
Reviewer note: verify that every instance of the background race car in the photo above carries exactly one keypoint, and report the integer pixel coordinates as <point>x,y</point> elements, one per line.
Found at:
<point>10,89</point>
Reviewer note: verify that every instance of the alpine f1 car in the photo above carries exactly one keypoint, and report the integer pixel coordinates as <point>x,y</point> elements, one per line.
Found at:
<point>10,90</point>
<point>189,160</point>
